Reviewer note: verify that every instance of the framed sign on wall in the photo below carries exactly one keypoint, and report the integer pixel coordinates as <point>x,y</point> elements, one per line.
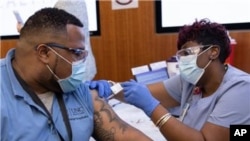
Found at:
<point>172,14</point>
<point>26,8</point>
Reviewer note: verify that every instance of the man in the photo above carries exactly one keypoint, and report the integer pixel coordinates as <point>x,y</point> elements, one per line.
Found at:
<point>42,94</point>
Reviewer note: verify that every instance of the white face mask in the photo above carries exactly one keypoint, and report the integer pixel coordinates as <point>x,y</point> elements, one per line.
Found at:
<point>75,79</point>
<point>189,70</point>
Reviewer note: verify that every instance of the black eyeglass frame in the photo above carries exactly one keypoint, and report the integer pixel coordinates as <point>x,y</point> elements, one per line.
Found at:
<point>76,51</point>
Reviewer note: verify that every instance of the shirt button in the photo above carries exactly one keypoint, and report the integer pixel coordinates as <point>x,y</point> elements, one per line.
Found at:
<point>49,122</point>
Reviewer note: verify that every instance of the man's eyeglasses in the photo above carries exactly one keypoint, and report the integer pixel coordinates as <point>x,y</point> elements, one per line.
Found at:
<point>81,53</point>
<point>190,51</point>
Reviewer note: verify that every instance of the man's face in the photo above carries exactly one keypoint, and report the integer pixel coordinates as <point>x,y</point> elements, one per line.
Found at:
<point>65,50</point>
<point>56,52</point>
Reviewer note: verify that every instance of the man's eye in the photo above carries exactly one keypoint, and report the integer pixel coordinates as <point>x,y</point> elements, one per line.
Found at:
<point>77,52</point>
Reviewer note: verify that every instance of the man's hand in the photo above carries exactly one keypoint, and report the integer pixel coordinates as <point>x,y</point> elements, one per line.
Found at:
<point>139,95</point>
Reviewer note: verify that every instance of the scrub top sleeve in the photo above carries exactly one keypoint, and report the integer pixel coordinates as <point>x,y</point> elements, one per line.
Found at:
<point>233,107</point>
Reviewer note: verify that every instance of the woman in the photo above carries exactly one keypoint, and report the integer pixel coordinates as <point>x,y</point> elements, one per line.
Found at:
<point>212,95</point>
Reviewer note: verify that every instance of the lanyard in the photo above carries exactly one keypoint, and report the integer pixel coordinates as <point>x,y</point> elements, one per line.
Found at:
<point>37,100</point>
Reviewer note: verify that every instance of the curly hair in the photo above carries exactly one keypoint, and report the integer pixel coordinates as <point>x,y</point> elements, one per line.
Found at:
<point>205,32</point>
<point>52,20</point>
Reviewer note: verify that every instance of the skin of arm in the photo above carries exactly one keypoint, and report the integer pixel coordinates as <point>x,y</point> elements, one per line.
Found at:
<point>109,127</point>
<point>174,130</point>
<point>19,26</point>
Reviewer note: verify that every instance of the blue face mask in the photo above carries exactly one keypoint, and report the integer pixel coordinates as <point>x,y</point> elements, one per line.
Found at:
<point>75,79</point>
<point>189,70</point>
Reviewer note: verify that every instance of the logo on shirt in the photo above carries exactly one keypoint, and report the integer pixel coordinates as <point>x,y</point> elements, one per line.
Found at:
<point>77,113</point>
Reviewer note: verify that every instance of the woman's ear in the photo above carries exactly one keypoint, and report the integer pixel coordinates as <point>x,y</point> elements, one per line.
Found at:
<point>215,51</point>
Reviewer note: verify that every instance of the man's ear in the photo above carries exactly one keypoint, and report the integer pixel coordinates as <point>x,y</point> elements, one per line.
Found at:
<point>215,52</point>
<point>43,53</point>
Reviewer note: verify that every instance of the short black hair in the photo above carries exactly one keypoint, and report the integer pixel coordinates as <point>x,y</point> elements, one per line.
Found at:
<point>206,32</point>
<point>48,20</point>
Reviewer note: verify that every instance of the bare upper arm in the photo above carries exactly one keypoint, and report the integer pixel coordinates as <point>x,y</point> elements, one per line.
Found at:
<point>108,126</point>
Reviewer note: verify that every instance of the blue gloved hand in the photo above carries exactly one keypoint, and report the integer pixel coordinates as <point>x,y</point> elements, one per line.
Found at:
<point>139,95</point>
<point>102,86</point>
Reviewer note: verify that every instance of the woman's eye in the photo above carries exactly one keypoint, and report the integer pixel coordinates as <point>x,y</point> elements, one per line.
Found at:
<point>187,52</point>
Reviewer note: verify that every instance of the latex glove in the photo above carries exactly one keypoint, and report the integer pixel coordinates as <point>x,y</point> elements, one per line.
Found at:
<point>139,96</point>
<point>102,86</point>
